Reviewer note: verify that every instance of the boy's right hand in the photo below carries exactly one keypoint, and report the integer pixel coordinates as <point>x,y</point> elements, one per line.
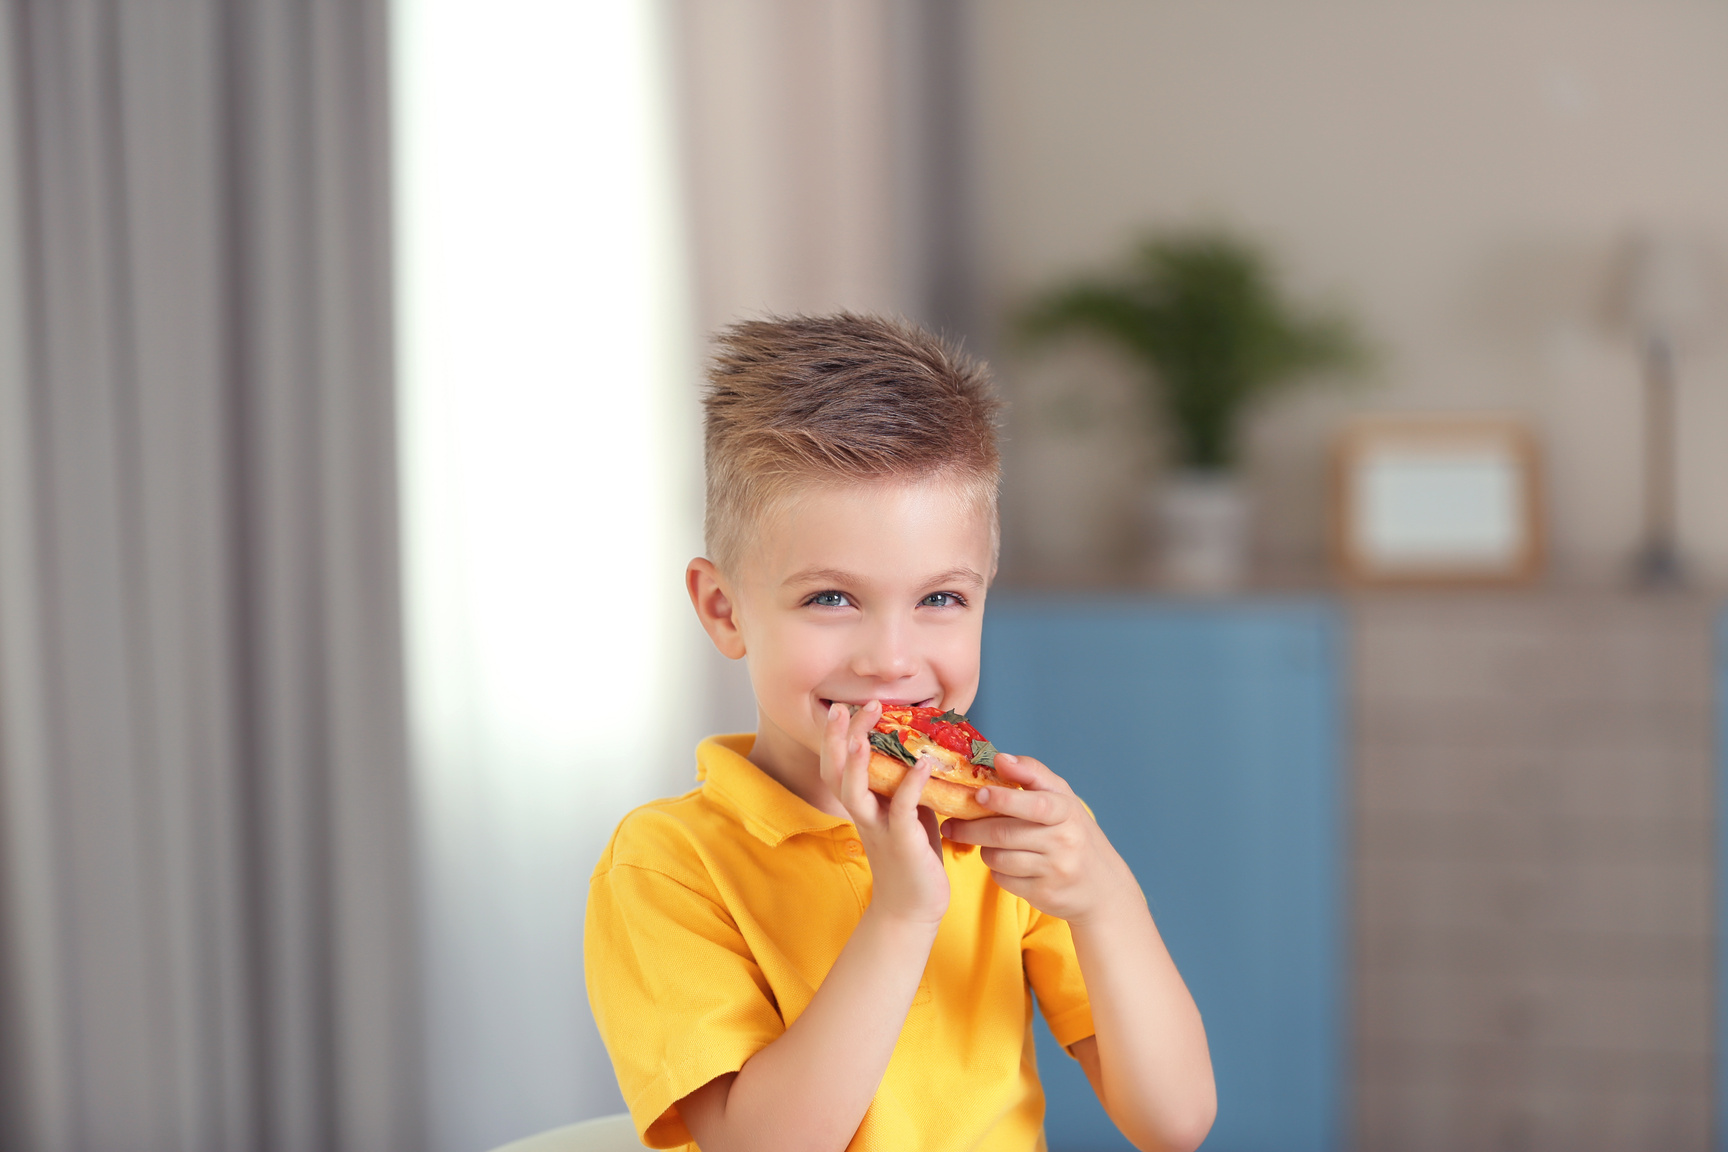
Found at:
<point>901,839</point>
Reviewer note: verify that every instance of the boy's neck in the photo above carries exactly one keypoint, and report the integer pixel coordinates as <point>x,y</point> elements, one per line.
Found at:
<point>794,766</point>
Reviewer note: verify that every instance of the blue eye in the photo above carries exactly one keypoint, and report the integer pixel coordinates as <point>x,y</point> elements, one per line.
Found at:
<point>943,600</point>
<point>829,600</point>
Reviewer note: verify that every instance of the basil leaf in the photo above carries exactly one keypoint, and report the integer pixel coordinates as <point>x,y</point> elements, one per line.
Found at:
<point>950,717</point>
<point>984,753</point>
<point>889,745</point>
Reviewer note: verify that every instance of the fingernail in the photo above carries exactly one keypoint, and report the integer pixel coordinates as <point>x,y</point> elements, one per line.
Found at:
<point>983,795</point>
<point>1008,756</point>
<point>835,710</point>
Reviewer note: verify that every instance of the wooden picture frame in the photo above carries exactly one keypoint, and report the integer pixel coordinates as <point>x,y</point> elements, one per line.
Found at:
<point>1438,501</point>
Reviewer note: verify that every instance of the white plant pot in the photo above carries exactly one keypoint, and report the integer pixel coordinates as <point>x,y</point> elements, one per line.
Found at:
<point>1201,525</point>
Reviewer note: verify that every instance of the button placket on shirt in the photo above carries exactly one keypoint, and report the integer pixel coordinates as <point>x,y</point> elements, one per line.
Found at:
<point>850,851</point>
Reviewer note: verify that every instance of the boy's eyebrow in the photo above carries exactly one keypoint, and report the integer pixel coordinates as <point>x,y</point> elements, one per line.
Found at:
<point>956,575</point>
<point>835,576</point>
<point>821,576</point>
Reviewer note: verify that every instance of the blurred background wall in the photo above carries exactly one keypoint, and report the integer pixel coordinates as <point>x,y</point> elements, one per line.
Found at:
<point>1461,177</point>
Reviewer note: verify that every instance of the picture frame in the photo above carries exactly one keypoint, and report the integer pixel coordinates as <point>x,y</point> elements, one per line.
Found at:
<point>1439,501</point>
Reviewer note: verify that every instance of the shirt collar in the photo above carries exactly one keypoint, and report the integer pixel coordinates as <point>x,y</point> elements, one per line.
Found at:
<point>767,808</point>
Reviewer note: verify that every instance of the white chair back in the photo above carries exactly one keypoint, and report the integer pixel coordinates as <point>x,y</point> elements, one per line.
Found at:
<point>607,1134</point>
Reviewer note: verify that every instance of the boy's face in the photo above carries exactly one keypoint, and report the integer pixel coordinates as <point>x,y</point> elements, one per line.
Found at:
<point>856,593</point>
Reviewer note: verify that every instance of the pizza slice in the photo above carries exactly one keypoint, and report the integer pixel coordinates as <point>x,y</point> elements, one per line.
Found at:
<point>964,759</point>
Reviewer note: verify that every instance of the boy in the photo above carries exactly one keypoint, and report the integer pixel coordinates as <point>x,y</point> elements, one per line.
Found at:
<point>782,959</point>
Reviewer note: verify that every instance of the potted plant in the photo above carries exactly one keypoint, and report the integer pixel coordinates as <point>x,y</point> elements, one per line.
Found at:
<point>1211,334</point>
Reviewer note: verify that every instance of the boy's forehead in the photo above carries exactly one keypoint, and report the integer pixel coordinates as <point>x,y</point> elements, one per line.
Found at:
<point>883,528</point>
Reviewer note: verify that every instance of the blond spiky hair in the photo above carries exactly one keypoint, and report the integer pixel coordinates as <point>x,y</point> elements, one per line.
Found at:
<point>842,398</point>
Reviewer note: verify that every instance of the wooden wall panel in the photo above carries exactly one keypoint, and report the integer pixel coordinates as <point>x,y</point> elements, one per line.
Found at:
<point>1535,846</point>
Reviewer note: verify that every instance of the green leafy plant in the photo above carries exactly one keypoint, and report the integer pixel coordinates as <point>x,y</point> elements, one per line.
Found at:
<point>1201,317</point>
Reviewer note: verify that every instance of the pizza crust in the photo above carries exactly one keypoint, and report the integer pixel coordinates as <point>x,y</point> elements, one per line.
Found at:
<point>944,797</point>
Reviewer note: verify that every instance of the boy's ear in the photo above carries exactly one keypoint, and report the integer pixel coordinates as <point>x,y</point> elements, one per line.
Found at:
<point>715,607</point>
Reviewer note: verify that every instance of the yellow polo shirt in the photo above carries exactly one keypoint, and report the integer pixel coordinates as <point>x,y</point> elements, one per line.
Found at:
<point>713,918</point>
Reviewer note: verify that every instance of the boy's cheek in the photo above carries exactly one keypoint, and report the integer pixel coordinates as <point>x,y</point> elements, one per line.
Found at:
<point>960,682</point>
<point>793,685</point>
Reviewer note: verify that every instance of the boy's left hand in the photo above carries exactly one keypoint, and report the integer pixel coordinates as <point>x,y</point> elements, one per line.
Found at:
<point>1045,847</point>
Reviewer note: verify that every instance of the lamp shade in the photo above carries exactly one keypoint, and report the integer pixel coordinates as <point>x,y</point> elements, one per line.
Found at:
<point>1672,288</point>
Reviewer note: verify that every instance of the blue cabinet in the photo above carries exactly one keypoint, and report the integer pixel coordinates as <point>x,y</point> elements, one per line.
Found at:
<point>1213,756</point>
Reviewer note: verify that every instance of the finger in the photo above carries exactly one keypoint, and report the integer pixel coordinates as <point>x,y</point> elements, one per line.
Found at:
<point>833,759</point>
<point>1022,886</point>
<point>905,804</point>
<point>1029,773</point>
<point>959,849</point>
<point>1037,806</point>
<point>932,829</point>
<point>1012,862</point>
<point>992,832</point>
<point>854,790</point>
<point>864,719</point>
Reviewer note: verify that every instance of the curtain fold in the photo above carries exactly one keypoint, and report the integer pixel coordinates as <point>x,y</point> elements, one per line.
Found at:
<point>207,902</point>
<point>827,148</point>
<point>792,113</point>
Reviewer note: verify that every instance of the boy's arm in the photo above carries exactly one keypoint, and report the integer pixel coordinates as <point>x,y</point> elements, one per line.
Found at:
<point>809,1089</point>
<point>1148,1062</point>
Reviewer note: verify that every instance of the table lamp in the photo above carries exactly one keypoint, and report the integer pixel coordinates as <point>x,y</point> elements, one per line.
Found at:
<point>1668,296</point>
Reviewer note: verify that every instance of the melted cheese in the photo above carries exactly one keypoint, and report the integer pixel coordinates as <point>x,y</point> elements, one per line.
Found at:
<point>950,764</point>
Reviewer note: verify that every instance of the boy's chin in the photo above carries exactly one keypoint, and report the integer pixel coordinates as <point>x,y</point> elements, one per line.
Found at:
<point>804,734</point>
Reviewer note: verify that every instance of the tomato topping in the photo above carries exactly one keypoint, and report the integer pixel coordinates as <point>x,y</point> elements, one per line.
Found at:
<point>954,735</point>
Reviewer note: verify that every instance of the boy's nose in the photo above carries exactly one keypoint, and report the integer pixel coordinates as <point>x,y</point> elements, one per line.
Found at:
<point>884,654</point>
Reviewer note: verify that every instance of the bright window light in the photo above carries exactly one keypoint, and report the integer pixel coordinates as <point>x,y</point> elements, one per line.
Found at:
<point>549,464</point>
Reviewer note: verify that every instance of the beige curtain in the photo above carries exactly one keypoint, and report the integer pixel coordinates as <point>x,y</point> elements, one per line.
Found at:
<point>827,154</point>
<point>205,898</point>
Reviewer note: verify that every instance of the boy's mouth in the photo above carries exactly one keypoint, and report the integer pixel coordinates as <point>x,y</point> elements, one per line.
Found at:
<point>887,702</point>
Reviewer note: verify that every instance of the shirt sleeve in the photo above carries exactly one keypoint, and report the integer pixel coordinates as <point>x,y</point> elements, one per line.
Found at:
<point>675,991</point>
<point>1054,971</point>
